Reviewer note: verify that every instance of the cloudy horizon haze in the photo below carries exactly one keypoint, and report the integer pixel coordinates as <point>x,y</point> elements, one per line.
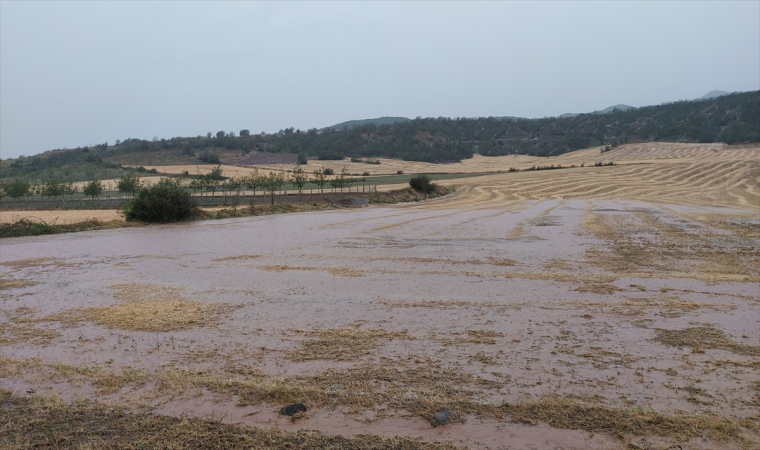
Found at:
<point>83,73</point>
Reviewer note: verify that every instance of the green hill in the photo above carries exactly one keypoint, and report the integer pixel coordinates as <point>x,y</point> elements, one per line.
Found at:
<point>732,119</point>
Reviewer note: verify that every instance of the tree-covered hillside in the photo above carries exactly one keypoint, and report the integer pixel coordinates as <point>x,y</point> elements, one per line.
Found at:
<point>733,119</point>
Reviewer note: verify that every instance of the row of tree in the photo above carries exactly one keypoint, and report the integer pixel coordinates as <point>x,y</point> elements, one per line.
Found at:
<point>270,183</point>
<point>213,181</point>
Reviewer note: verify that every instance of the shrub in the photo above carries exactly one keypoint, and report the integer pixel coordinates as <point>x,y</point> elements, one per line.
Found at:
<point>329,172</point>
<point>165,201</point>
<point>421,183</point>
<point>365,174</point>
<point>209,158</point>
<point>302,159</point>
<point>400,172</point>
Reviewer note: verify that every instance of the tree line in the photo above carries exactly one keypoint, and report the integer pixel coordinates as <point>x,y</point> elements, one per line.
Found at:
<point>730,119</point>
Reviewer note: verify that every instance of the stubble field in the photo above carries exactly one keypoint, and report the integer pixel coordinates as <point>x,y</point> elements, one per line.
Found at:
<point>594,307</point>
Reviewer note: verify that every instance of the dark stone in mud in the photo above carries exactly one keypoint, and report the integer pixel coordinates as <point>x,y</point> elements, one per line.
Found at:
<point>292,409</point>
<point>441,418</point>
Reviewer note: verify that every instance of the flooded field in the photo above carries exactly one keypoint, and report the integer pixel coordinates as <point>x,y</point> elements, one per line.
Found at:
<point>619,314</point>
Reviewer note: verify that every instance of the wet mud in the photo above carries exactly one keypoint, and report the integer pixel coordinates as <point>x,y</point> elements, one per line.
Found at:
<point>407,309</point>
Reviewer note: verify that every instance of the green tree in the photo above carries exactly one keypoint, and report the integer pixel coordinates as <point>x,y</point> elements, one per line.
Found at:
<point>213,180</point>
<point>346,178</point>
<point>93,189</point>
<point>273,183</point>
<point>245,133</point>
<point>342,180</point>
<point>129,183</point>
<point>302,158</point>
<point>54,187</point>
<point>299,178</point>
<point>320,179</point>
<point>253,180</point>
<point>17,188</point>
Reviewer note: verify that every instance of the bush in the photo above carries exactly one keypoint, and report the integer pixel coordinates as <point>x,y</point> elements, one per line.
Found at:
<point>421,183</point>
<point>365,174</point>
<point>329,172</point>
<point>165,201</point>
<point>302,159</point>
<point>400,172</point>
<point>209,158</point>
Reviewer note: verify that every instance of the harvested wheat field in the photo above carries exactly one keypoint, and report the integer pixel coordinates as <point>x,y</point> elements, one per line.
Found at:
<point>608,307</point>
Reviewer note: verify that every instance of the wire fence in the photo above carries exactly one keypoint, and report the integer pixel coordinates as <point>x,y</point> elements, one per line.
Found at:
<point>112,198</point>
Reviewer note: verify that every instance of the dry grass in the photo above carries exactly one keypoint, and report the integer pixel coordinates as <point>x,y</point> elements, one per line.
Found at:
<point>62,217</point>
<point>338,271</point>
<point>645,246</point>
<point>36,262</point>
<point>561,264</point>
<point>236,258</point>
<point>419,389</point>
<point>471,337</point>
<point>602,289</point>
<point>20,329</point>
<point>146,307</point>
<point>342,344</point>
<point>440,304</point>
<point>668,306</point>
<point>6,283</point>
<point>700,338</point>
<point>47,422</point>
<point>25,333</point>
<point>595,418</point>
<point>561,277</point>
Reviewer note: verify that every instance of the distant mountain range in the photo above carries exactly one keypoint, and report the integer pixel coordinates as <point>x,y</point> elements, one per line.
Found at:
<point>357,123</point>
<point>621,107</point>
<point>713,94</point>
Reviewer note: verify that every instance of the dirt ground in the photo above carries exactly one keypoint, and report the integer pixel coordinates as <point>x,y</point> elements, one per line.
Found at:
<point>603,307</point>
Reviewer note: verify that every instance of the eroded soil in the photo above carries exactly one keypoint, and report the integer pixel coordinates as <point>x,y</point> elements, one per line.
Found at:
<point>510,314</point>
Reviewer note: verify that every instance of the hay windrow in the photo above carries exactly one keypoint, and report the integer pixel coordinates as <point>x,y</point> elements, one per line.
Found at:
<point>700,338</point>
<point>601,289</point>
<point>595,417</point>
<point>341,344</point>
<point>7,283</point>
<point>338,271</point>
<point>236,258</point>
<point>668,306</point>
<point>471,337</point>
<point>36,262</point>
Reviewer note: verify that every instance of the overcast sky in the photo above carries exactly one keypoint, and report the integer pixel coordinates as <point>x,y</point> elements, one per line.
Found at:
<point>79,73</point>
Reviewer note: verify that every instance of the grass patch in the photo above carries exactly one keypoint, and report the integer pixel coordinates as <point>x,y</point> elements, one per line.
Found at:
<point>700,338</point>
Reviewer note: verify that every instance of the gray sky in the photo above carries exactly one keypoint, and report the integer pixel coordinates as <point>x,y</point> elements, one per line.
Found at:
<point>78,73</point>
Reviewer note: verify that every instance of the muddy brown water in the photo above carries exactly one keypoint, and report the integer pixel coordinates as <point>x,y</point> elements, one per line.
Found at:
<point>559,321</point>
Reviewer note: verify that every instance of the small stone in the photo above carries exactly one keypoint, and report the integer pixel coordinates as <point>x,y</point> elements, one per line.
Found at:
<point>441,418</point>
<point>292,409</point>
